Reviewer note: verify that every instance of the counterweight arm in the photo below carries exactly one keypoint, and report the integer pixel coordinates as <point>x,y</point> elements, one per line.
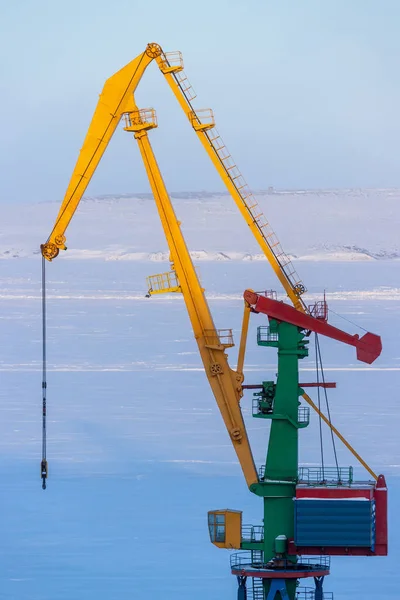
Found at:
<point>368,347</point>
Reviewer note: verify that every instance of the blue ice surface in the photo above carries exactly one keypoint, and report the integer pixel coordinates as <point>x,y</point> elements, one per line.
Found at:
<point>136,447</point>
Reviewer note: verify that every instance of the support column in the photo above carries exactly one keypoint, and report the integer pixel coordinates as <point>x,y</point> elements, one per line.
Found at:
<point>242,590</point>
<point>319,594</point>
<point>277,585</point>
<point>282,457</point>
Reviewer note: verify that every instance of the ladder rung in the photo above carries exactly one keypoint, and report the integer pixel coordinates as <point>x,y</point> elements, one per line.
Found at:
<point>290,272</point>
<point>255,206</point>
<point>283,258</point>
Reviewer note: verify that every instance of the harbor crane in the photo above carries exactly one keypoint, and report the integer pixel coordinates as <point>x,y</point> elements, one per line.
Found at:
<point>307,511</point>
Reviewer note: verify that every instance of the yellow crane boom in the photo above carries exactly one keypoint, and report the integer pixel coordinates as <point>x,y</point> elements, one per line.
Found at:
<point>225,383</point>
<point>115,99</point>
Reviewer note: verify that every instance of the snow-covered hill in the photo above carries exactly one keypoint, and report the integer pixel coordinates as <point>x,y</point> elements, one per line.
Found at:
<point>311,225</point>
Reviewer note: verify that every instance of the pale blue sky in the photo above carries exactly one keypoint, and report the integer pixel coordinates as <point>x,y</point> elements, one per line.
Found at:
<point>305,93</point>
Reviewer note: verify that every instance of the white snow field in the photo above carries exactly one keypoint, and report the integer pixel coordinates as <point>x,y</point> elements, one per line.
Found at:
<point>136,447</point>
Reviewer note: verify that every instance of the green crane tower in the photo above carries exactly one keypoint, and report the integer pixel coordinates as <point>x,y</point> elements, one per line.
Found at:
<point>276,556</point>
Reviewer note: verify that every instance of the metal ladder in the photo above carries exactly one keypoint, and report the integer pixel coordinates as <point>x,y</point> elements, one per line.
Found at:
<point>256,590</point>
<point>203,121</point>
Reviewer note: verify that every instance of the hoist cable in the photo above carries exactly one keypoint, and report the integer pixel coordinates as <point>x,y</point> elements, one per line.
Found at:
<point>348,320</point>
<point>319,409</point>
<point>319,359</point>
<point>43,464</point>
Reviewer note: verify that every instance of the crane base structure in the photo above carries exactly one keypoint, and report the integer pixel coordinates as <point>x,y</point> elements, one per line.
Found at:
<point>307,511</point>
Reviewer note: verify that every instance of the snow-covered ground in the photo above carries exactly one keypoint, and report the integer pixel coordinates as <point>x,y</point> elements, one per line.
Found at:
<point>137,450</point>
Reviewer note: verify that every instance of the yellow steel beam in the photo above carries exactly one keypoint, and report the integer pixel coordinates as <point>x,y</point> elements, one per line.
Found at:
<point>243,338</point>
<point>225,383</point>
<point>115,99</point>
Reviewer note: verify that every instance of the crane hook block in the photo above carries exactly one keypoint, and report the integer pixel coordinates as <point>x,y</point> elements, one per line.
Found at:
<point>44,472</point>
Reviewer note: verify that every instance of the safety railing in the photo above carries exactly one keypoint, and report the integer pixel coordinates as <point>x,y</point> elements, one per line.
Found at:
<point>219,337</point>
<point>309,594</point>
<point>264,334</point>
<point>137,120</point>
<point>252,533</point>
<point>329,476</point>
<point>163,283</point>
<point>319,310</point>
<point>315,562</point>
<point>254,559</point>
<point>202,119</point>
<point>268,294</point>
<point>251,558</point>
<point>303,415</point>
<point>171,61</point>
<point>262,407</point>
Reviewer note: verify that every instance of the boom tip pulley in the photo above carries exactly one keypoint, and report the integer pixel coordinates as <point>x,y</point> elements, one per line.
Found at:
<point>49,251</point>
<point>153,50</point>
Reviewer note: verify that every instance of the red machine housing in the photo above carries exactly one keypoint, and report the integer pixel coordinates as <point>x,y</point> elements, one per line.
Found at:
<point>376,493</point>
